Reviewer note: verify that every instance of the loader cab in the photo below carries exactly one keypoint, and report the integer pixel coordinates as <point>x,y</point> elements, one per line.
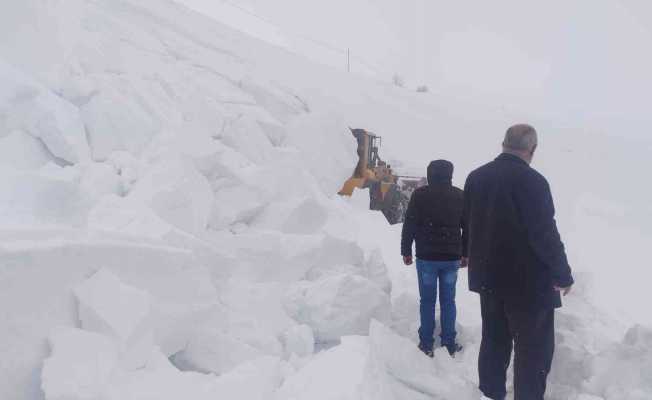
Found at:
<point>374,145</point>
<point>368,151</point>
<point>386,192</point>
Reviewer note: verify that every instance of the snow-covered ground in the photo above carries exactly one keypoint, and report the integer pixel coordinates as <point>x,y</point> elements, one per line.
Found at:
<point>169,229</point>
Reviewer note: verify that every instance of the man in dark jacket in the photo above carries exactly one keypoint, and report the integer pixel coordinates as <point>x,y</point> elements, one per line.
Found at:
<point>433,220</point>
<point>518,265</point>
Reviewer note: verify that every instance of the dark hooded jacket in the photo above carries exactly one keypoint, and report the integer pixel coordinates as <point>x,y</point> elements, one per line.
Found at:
<point>433,219</point>
<point>511,237</point>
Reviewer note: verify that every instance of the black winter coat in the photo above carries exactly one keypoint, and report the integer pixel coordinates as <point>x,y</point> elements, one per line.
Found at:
<point>434,217</point>
<point>511,237</point>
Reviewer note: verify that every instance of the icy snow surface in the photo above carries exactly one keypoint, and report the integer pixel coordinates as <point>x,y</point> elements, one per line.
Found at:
<point>169,229</point>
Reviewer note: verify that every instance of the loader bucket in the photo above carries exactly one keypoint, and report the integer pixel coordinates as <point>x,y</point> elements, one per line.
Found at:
<point>393,209</point>
<point>350,185</point>
<point>389,199</point>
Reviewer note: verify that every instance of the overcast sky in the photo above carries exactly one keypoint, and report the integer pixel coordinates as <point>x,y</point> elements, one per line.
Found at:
<point>579,61</point>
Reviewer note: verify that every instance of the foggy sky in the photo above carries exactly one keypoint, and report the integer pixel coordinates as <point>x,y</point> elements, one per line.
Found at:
<point>581,62</point>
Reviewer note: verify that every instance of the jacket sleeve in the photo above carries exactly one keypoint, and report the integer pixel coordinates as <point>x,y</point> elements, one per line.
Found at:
<point>409,227</point>
<point>465,219</point>
<point>537,209</point>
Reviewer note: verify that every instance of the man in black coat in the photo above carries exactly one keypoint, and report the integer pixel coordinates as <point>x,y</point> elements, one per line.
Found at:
<point>518,265</point>
<point>433,220</point>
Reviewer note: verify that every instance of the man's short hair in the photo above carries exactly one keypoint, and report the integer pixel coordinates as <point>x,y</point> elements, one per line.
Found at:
<point>520,137</point>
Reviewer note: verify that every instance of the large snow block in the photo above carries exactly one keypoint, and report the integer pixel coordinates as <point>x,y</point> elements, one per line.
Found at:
<point>405,307</point>
<point>125,216</point>
<point>28,106</point>
<point>108,306</point>
<point>264,300</point>
<point>338,256</point>
<point>331,157</point>
<point>282,104</point>
<point>22,151</point>
<point>273,256</point>
<point>284,177</point>
<point>129,217</point>
<point>299,340</point>
<point>254,380</point>
<point>337,305</point>
<point>47,196</point>
<point>38,297</point>
<point>212,158</point>
<point>178,194</point>
<point>83,366</point>
<point>119,311</point>
<point>225,340</point>
<point>335,251</point>
<point>235,204</point>
<point>308,217</point>
<point>215,352</point>
<point>245,135</point>
<point>375,269</point>
<point>80,366</point>
<point>396,369</point>
<point>624,371</point>
<point>296,216</point>
<point>99,179</point>
<point>334,374</point>
<point>127,167</point>
<point>117,121</point>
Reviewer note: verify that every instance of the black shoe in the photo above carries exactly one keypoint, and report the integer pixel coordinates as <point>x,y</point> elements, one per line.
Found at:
<point>425,350</point>
<point>453,348</point>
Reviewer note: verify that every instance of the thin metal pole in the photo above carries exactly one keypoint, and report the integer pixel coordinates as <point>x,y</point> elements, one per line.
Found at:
<point>348,60</point>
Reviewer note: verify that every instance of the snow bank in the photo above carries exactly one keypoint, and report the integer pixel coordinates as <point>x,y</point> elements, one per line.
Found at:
<point>624,371</point>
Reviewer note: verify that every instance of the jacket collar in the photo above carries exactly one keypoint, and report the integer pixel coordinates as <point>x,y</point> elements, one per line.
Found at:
<point>440,184</point>
<point>511,157</point>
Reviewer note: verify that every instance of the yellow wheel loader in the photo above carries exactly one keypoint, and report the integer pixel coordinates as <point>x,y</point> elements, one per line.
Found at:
<point>388,192</point>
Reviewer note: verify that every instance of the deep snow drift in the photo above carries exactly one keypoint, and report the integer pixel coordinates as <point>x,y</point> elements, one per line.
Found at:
<point>169,227</point>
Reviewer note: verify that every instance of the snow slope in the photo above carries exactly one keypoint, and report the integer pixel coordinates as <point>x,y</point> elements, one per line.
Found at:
<point>169,227</point>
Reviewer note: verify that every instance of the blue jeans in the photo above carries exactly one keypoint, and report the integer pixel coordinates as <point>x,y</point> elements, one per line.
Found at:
<point>429,272</point>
